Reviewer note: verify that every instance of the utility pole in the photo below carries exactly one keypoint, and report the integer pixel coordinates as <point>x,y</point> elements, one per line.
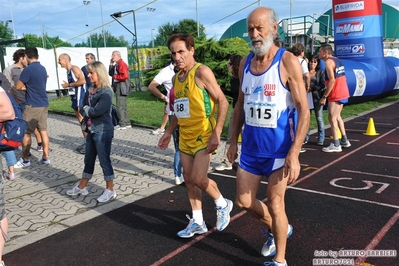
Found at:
<point>86,3</point>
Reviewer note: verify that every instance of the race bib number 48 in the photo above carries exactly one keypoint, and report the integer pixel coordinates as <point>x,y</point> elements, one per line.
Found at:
<point>182,108</point>
<point>260,114</point>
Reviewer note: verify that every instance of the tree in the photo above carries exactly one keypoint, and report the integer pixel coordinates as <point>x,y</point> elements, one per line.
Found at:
<point>214,54</point>
<point>5,31</point>
<point>97,40</point>
<point>43,41</point>
<point>187,26</point>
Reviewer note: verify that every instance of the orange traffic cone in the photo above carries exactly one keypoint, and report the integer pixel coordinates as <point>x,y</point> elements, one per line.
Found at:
<point>339,134</point>
<point>371,129</point>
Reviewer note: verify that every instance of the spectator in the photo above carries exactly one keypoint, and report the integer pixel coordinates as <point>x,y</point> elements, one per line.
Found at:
<point>165,77</point>
<point>318,87</point>
<point>233,67</point>
<point>119,72</point>
<point>299,51</point>
<point>97,108</point>
<point>33,80</point>
<point>6,113</point>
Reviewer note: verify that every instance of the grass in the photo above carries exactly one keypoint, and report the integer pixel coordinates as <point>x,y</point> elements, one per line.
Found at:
<point>146,109</point>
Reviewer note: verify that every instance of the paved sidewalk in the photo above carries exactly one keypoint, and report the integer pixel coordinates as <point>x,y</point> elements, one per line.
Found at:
<point>36,201</point>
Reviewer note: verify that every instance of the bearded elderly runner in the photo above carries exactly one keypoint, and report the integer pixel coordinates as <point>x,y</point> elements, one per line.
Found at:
<point>273,107</point>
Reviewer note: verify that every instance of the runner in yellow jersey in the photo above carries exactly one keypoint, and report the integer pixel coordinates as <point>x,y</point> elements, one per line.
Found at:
<point>196,95</point>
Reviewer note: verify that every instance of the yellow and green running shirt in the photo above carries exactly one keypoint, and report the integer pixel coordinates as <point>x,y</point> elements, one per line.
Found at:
<point>194,109</point>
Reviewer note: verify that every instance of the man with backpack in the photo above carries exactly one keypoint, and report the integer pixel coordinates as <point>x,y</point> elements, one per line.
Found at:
<point>6,113</point>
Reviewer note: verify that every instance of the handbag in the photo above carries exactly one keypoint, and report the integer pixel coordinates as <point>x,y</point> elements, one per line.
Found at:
<point>86,124</point>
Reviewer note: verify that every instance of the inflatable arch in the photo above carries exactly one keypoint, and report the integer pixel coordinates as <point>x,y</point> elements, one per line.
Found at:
<point>359,45</point>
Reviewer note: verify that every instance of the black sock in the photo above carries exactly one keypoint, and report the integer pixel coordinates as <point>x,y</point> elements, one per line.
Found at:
<point>39,144</point>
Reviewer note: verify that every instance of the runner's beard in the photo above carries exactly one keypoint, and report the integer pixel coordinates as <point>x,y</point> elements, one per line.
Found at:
<point>261,49</point>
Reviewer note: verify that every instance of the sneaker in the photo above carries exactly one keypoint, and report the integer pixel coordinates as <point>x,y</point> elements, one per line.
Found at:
<point>158,131</point>
<point>40,148</point>
<point>77,191</point>
<point>2,263</point>
<point>179,180</point>
<point>107,196</point>
<point>21,163</point>
<point>224,166</point>
<point>345,144</point>
<point>332,148</point>
<point>118,127</point>
<point>302,150</point>
<point>274,263</point>
<point>304,142</point>
<point>81,149</point>
<point>223,215</point>
<point>9,176</point>
<point>128,126</point>
<point>320,143</point>
<point>192,229</point>
<point>269,248</point>
<point>44,161</point>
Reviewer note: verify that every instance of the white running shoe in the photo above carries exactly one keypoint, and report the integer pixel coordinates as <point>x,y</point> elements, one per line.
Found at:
<point>107,196</point>
<point>332,148</point>
<point>346,144</point>
<point>158,131</point>
<point>77,191</point>
<point>179,180</point>
<point>192,229</point>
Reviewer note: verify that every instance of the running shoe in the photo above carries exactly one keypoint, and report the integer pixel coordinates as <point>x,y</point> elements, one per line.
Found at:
<point>223,215</point>
<point>269,248</point>
<point>192,229</point>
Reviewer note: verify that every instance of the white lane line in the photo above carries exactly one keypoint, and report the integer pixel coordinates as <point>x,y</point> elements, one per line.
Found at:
<point>367,173</point>
<point>382,156</point>
<point>393,143</point>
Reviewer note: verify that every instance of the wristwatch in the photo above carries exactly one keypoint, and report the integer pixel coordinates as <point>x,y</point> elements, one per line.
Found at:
<point>165,98</point>
<point>325,97</point>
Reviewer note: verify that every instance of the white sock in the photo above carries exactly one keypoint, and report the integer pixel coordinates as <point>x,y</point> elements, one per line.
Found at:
<point>197,217</point>
<point>221,202</point>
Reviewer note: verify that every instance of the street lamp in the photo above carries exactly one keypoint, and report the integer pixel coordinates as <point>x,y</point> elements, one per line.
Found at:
<point>291,23</point>
<point>86,3</point>
<point>12,21</point>
<point>117,15</point>
<point>152,37</point>
<point>13,29</point>
<point>150,9</point>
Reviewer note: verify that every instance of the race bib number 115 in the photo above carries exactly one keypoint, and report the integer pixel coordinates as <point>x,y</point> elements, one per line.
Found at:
<point>259,114</point>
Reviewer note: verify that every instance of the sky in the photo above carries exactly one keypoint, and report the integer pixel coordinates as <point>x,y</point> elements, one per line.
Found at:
<point>68,18</point>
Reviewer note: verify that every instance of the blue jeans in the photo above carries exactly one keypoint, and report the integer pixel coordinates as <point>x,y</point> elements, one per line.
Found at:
<point>10,158</point>
<point>176,163</point>
<point>318,110</point>
<point>98,144</point>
